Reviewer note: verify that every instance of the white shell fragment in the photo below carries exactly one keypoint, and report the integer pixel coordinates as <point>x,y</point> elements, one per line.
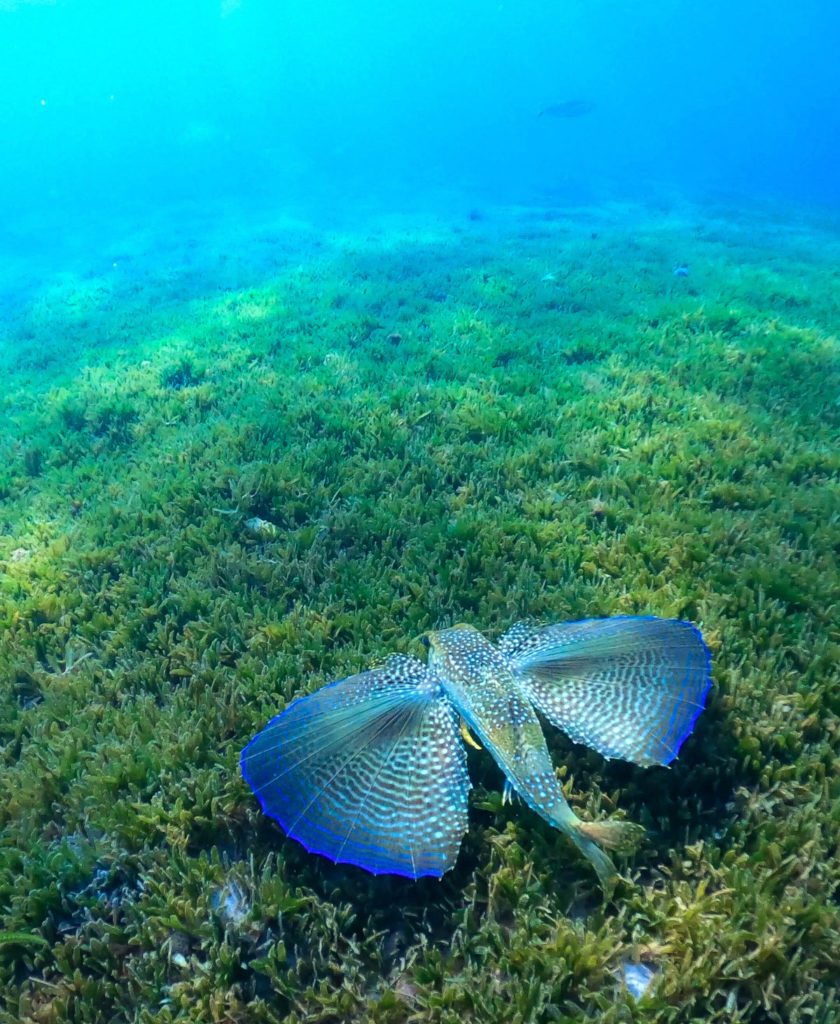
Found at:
<point>261,528</point>
<point>231,904</point>
<point>637,978</point>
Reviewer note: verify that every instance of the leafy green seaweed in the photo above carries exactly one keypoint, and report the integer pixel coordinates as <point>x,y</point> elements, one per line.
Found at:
<point>526,415</point>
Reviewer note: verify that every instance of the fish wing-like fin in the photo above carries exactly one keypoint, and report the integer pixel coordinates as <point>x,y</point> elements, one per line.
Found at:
<point>629,687</point>
<point>369,771</point>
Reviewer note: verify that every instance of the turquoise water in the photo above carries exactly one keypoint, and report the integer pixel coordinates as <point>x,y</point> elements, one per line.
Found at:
<point>336,104</point>
<point>326,327</point>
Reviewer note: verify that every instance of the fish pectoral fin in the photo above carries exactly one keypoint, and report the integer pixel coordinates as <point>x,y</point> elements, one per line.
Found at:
<point>467,736</point>
<point>369,770</point>
<point>629,687</point>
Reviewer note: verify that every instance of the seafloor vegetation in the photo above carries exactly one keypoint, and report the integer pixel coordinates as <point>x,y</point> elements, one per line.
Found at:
<point>522,414</point>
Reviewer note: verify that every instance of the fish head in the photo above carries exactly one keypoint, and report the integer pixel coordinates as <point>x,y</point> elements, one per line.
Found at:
<point>453,650</point>
<point>478,680</point>
<point>474,673</point>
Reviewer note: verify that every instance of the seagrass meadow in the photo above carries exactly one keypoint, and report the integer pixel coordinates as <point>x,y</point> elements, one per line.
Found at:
<point>512,413</point>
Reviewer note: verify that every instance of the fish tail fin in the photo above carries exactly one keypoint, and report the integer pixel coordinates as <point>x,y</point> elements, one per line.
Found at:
<point>590,836</point>
<point>604,867</point>
<point>621,836</point>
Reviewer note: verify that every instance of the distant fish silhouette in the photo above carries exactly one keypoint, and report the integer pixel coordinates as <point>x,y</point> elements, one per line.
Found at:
<point>573,108</point>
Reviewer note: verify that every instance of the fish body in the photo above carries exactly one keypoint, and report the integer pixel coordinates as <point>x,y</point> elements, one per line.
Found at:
<point>371,770</point>
<point>478,680</point>
<point>482,684</point>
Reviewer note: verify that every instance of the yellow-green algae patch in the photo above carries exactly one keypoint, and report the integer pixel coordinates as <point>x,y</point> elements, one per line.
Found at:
<point>523,416</point>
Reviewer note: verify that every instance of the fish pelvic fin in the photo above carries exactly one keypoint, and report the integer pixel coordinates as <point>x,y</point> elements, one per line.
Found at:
<point>466,736</point>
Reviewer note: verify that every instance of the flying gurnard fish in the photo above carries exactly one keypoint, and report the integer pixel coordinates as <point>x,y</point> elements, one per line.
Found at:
<point>371,770</point>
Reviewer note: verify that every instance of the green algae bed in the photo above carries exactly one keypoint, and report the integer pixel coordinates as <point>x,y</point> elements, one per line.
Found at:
<point>520,414</point>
